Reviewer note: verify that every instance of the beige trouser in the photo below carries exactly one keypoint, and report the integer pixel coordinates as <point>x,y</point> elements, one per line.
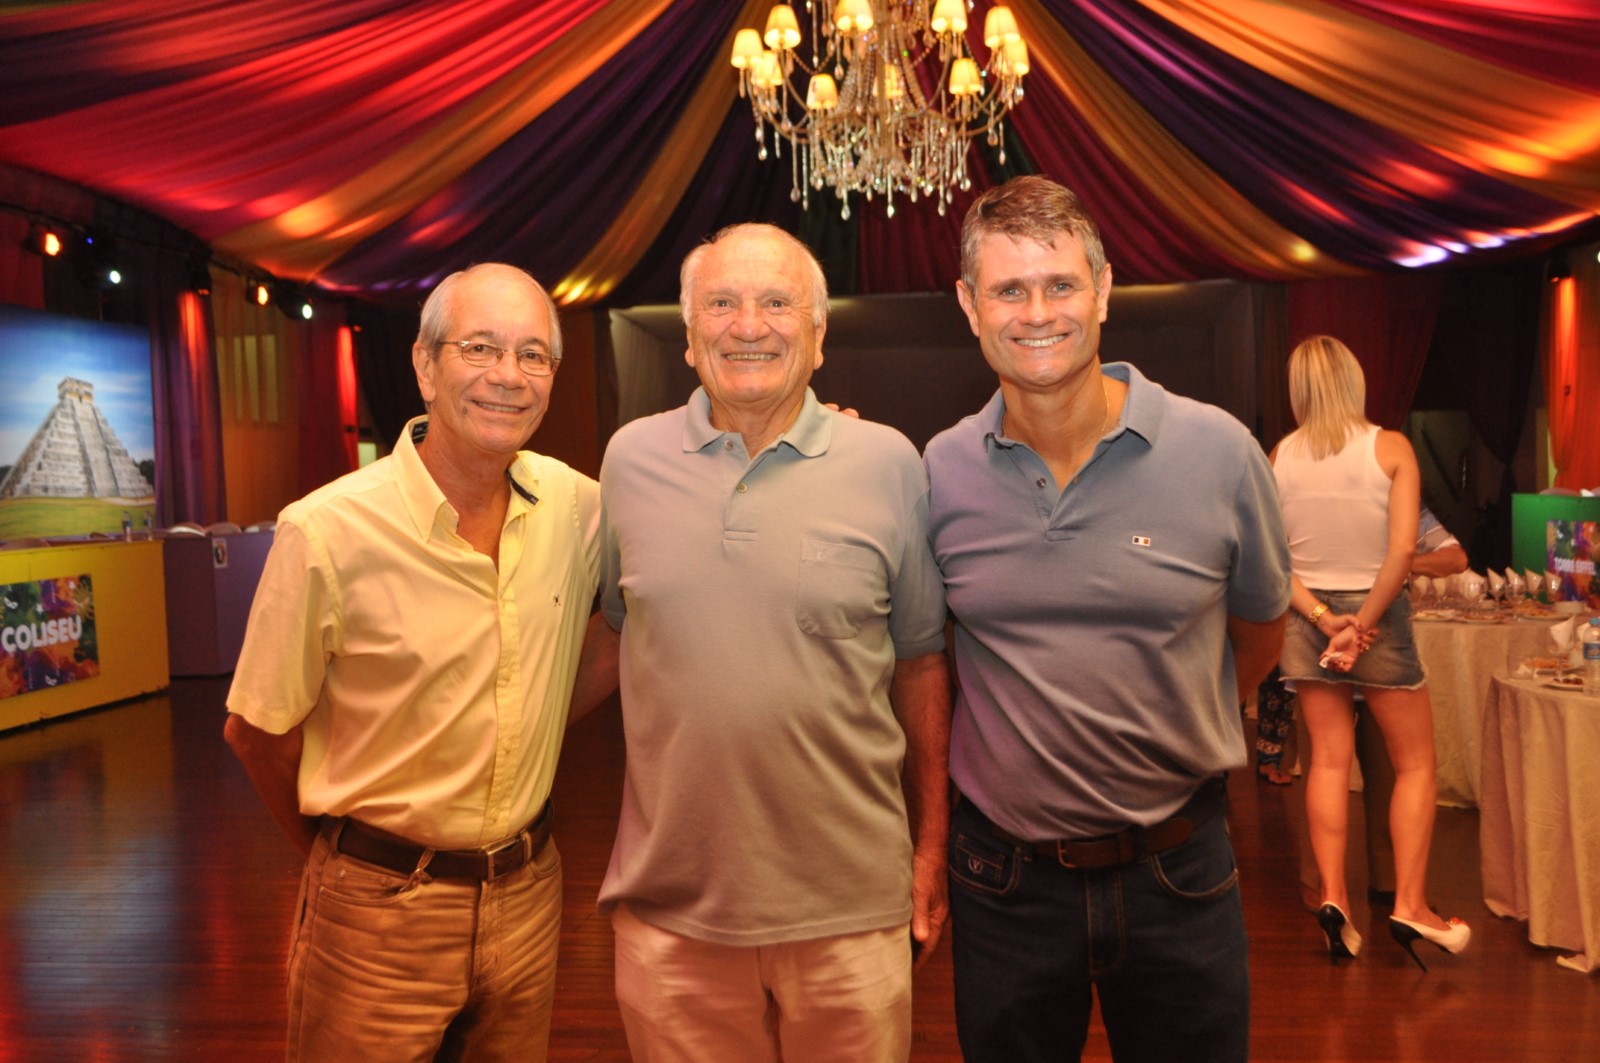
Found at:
<point>843,999</point>
<point>389,967</point>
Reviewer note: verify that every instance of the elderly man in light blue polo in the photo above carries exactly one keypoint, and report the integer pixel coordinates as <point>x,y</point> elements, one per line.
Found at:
<point>784,693</point>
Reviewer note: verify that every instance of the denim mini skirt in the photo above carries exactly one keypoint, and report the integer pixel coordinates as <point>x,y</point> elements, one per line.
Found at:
<point>1391,661</point>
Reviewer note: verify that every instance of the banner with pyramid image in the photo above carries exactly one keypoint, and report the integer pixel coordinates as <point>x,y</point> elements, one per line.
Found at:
<point>77,431</point>
<point>47,634</point>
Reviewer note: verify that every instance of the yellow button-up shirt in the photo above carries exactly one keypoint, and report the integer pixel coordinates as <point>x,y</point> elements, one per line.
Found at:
<point>432,687</point>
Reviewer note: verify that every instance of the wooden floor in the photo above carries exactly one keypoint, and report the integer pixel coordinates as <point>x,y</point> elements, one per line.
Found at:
<point>145,901</point>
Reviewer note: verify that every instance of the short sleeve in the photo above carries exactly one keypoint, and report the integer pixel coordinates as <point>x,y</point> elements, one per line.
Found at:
<point>288,640</point>
<point>1258,586</point>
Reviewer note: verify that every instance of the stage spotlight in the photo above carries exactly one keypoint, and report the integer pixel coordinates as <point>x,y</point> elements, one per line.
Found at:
<point>291,299</point>
<point>96,262</point>
<point>43,240</point>
<point>257,291</point>
<point>1559,268</point>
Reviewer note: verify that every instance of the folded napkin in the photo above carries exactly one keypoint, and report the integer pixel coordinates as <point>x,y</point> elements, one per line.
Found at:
<point>1496,582</point>
<point>1561,635</point>
<point>1535,581</point>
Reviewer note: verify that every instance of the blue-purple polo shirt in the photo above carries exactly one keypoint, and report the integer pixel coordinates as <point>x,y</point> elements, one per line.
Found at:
<point>1097,685</point>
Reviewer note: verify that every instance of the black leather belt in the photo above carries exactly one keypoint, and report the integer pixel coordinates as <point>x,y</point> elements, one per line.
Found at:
<point>354,838</point>
<point>1129,843</point>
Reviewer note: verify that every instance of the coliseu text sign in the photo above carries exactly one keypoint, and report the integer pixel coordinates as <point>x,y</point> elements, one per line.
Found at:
<point>47,634</point>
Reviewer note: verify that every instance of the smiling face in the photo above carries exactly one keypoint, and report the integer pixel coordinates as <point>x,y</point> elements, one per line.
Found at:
<point>1036,309</point>
<point>755,335</point>
<point>485,412</point>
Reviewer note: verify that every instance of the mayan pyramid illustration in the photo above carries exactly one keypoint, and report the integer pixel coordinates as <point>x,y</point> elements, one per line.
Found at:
<point>75,454</point>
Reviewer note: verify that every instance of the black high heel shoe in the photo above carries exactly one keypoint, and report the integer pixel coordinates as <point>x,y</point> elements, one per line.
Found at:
<point>1343,940</point>
<point>1451,939</point>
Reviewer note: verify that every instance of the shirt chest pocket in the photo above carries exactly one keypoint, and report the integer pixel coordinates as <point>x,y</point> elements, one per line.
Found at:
<point>840,587</point>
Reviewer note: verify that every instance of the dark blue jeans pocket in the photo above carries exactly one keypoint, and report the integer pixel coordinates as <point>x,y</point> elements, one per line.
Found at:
<point>979,860</point>
<point>1200,869</point>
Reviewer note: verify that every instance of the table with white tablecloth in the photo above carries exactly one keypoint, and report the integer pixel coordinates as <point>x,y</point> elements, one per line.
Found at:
<point>1539,814</point>
<point>1459,657</point>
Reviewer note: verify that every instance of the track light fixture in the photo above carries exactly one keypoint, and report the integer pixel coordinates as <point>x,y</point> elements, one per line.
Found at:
<point>1559,268</point>
<point>257,291</point>
<point>44,240</point>
<point>291,299</point>
<point>96,261</point>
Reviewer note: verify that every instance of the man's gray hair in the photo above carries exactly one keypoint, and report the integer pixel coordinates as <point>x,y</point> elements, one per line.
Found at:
<point>436,312</point>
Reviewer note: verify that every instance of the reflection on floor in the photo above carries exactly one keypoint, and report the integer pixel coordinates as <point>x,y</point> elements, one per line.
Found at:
<point>145,902</point>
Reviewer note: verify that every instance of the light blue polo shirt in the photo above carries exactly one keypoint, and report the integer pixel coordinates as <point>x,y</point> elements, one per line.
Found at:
<point>1097,686</point>
<point>763,601</point>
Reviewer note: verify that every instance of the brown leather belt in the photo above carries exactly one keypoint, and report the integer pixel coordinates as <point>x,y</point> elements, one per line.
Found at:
<point>1129,843</point>
<point>354,838</point>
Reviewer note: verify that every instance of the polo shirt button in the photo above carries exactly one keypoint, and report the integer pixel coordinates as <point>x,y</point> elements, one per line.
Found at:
<point>1039,482</point>
<point>727,444</point>
<point>743,488</point>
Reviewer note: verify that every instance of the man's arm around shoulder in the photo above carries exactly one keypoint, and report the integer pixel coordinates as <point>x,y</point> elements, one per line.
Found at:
<point>273,763</point>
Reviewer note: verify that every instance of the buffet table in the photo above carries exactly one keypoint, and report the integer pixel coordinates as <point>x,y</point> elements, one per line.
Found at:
<point>1459,657</point>
<point>1539,822</point>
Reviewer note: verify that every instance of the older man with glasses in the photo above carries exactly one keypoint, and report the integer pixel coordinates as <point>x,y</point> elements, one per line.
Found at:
<point>402,694</point>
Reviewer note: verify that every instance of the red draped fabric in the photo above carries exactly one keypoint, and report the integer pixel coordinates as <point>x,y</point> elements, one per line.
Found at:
<point>1572,377</point>
<point>1387,322</point>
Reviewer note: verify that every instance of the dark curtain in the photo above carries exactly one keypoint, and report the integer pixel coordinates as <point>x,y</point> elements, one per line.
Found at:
<point>190,480</point>
<point>1387,321</point>
<point>325,453</point>
<point>1488,338</point>
<point>383,337</point>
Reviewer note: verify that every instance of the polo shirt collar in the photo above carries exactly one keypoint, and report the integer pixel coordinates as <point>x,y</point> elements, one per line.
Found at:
<point>423,500</point>
<point>1142,413</point>
<point>810,434</point>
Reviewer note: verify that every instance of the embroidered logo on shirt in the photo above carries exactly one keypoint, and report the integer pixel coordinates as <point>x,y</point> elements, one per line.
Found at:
<point>1141,540</point>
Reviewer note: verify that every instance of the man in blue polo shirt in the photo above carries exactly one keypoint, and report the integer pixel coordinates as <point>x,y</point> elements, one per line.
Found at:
<point>1118,573</point>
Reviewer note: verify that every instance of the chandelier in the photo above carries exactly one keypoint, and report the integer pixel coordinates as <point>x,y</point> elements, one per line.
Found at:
<point>892,95</point>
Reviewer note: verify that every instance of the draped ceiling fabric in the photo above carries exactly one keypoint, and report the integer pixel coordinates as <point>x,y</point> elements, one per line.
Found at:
<point>372,145</point>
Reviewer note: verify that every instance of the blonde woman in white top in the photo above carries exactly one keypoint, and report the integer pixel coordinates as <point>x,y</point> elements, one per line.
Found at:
<point>1351,494</point>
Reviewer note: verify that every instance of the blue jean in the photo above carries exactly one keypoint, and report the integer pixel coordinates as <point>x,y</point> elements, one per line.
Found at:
<point>1161,940</point>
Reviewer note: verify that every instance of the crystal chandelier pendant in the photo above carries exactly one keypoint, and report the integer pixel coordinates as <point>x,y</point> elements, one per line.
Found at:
<point>889,99</point>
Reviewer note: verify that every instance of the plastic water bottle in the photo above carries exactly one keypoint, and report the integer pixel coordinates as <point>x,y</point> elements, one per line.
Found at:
<point>1591,656</point>
<point>127,527</point>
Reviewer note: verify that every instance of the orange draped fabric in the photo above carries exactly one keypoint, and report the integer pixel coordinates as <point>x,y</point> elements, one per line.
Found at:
<point>1572,376</point>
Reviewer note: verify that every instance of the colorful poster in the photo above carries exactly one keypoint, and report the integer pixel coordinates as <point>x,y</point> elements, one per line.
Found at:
<point>47,634</point>
<point>1573,551</point>
<point>77,428</point>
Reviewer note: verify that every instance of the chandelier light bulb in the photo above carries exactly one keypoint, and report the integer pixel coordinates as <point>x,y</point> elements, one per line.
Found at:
<point>894,84</point>
<point>964,79</point>
<point>1000,26</point>
<point>1014,58</point>
<point>765,72</point>
<point>852,16</point>
<point>949,16</point>
<point>783,29</point>
<point>746,47</point>
<point>822,94</point>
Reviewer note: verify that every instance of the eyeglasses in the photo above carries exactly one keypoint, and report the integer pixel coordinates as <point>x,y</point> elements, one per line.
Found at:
<point>531,360</point>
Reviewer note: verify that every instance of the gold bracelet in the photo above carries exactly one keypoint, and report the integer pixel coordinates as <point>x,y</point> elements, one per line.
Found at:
<point>1316,614</point>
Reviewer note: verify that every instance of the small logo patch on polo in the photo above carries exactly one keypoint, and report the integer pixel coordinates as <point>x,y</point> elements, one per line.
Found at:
<point>1141,540</point>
